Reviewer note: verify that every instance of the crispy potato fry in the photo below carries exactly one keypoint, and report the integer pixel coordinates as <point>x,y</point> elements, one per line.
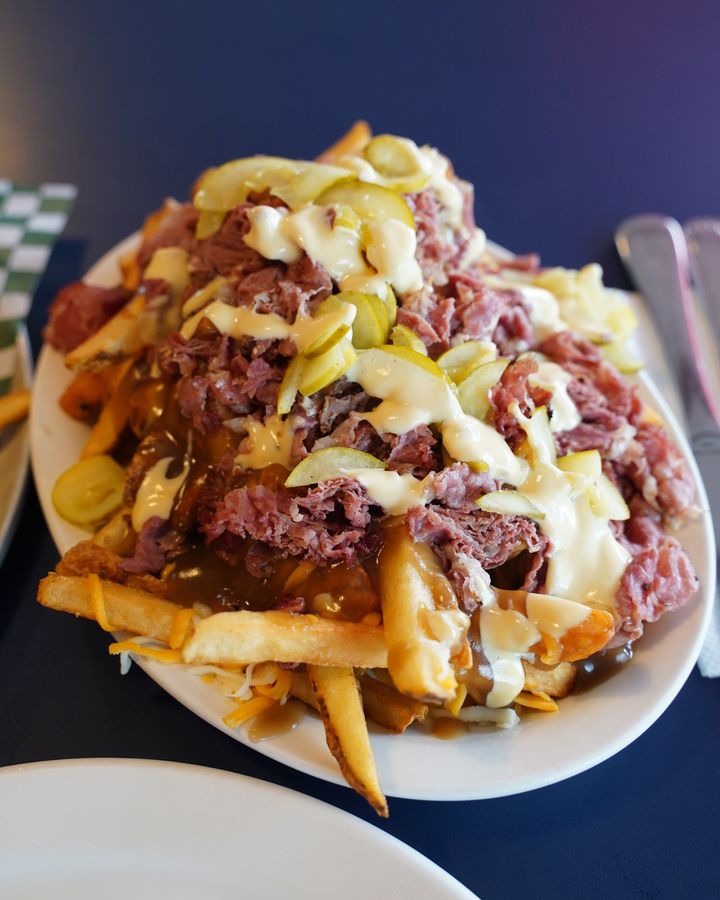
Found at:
<point>114,415</point>
<point>340,703</point>
<point>352,142</point>
<point>389,708</point>
<point>130,269</point>
<point>84,395</point>
<point>302,689</point>
<point>422,634</point>
<point>126,608</point>
<point>237,638</point>
<point>555,681</point>
<point>14,407</point>
<point>119,338</point>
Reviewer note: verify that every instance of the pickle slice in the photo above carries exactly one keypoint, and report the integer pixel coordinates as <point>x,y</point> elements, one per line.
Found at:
<point>509,503</point>
<point>398,162</point>
<point>323,370</point>
<point>473,390</point>
<point>402,336</point>
<point>326,341</point>
<point>290,384</point>
<point>331,462</point>
<point>371,202</point>
<point>294,181</point>
<point>370,326</point>
<point>585,462</point>
<point>90,491</point>
<point>415,358</point>
<point>618,354</point>
<point>458,362</point>
<point>605,499</point>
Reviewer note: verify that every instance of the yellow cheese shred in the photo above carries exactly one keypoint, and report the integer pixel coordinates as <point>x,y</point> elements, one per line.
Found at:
<point>97,601</point>
<point>279,689</point>
<point>454,705</point>
<point>537,700</point>
<point>180,627</point>
<point>161,655</point>
<point>247,709</point>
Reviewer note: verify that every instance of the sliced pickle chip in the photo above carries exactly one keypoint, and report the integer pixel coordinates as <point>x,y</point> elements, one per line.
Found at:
<point>370,326</point>
<point>509,503</point>
<point>90,491</point>
<point>296,182</point>
<point>371,202</point>
<point>402,336</point>
<point>398,162</point>
<point>290,384</point>
<point>473,390</point>
<point>459,362</point>
<point>415,358</point>
<point>323,370</point>
<point>209,221</point>
<point>623,359</point>
<point>585,462</point>
<point>607,501</point>
<point>325,342</point>
<point>390,302</point>
<point>331,462</point>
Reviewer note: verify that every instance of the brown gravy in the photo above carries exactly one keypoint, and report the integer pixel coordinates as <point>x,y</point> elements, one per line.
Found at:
<point>447,729</point>
<point>276,721</point>
<point>600,666</point>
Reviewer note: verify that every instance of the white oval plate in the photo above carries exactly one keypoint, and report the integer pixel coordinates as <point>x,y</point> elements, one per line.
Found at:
<point>82,829</point>
<point>589,728</point>
<point>14,450</point>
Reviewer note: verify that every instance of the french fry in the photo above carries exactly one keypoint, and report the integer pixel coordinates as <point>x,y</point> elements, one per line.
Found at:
<point>238,638</point>
<point>130,270</point>
<point>14,407</point>
<point>126,608</point>
<point>421,638</point>
<point>302,689</point>
<point>352,142</point>
<point>389,708</point>
<point>114,415</point>
<point>340,703</point>
<point>84,395</point>
<point>119,338</point>
<point>553,681</point>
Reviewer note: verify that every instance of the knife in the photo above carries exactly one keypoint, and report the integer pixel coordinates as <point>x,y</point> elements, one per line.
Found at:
<point>655,253</point>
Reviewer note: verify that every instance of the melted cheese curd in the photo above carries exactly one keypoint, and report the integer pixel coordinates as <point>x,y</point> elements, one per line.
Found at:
<point>372,249</point>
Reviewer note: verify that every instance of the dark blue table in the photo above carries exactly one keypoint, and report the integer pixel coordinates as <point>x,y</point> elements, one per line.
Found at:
<point>567,116</point>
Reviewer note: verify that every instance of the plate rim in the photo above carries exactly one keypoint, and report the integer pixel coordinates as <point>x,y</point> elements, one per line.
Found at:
<point>326,771</point>
<point>334,815</point>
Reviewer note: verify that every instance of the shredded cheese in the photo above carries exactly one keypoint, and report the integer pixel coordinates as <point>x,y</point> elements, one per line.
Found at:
<point>97,601</point>
<point>247,709</point>
<point>160,654</point>
<point>180,628</point>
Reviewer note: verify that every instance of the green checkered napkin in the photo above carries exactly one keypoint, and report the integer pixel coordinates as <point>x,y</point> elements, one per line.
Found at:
<point>31,218</point>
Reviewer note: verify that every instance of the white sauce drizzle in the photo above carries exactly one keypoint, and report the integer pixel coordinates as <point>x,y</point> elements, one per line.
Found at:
<point>395,493</point>
<point>555,379</point>
<point>391,251</point>
<point>586,563</point>
<point>555,616</point>
<point>156,494</point>
<point>412,395</point>
<point>506,636</point>
<point>241,321</point>
<point>270,443</point>
<point>266,234</point>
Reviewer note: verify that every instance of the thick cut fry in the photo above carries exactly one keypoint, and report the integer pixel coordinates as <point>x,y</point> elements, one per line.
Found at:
<point>84,395</point>
<point>301,688</point>
<point>553,681</point>
<point>424,628</point>
<point>346,731</point>
<point>352,142</point>
<point>130,270</point>
<point>119,338</point>
<point>126,608</point>
<point>238,638</point>
<point>114,416</point>
<point>389,708</point>
<point>14,407</point>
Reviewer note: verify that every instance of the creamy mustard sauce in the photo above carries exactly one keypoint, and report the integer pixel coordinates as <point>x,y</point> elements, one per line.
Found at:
<point>267,236</point>
<point>241,321</point>
<point>156,494</point>
<point>587,562</point>
<point>171,265</point>
<point>412,395</point>
<point>555,379</point>
<point>270,443</point>
<point>555,616</point>
<point>395,493</point>
<point>506,635</point>
<point>391,251</point>
<point>437,167</point>
<point>203,296</point>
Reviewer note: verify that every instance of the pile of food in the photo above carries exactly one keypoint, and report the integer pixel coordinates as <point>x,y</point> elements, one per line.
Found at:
<point>344,455</point>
